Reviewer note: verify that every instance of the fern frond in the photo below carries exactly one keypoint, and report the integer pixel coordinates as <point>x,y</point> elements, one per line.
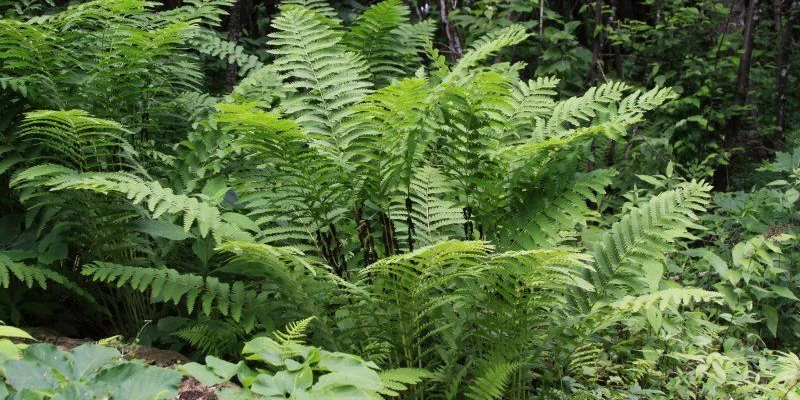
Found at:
<point>169,285</point>
<point>33,275</point>
<point>329,79</point>
<point>425,215</point>
<point>575,111</point>
<point>77,140</point>
<point>666,299</point>
<point>398,379</point>
<point>491,380</point>
<point>321,7</point>
<point>644,235</point>
<point>293,333</point>
<point>211,336</point>
<point>208,42</point>
<point>558,206</point>
<point>158,199</point>
<point>389,44</point>
<point>533,100</point>
<point>485,47</point>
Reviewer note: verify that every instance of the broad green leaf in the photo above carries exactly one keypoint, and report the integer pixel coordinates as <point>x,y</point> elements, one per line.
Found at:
<point>201,372</point>
<point>49,356</point>
<point>771,317</point>
<point>162,229</point>
<point>264,349</point>
<point>89,357</point>
<point>25,374</point>
<point>222,368</point>
<point>9,351</point>
<point>10,331</point>
<point>136,381</point>
<point>784,292</point>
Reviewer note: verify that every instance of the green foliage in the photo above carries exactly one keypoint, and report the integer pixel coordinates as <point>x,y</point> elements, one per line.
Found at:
<point>87,371</point>
<point>284,367</point>
<point>461,218</point>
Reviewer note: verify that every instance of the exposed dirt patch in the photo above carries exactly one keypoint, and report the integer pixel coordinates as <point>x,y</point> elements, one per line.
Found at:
<point>191,389</point>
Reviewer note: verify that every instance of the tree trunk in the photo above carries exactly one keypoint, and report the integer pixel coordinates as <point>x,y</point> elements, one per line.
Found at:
<point>453,41</point>
<point>743,77</point>
<point>733,125</point>
<point>783,25</point>
<point>234,33</point>
<point>597,45</point>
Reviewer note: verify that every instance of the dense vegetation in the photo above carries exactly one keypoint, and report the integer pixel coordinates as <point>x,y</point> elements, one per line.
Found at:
<point>461,200</point>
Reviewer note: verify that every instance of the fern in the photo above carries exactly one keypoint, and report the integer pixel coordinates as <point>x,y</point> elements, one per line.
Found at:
<point>493,379</point>
<point>643,235</point>
<point>398,379</point>
<point>208,294</point>
<point>386,40</point>
<point>426,216</point>
<point>293,333</point>
<point>158,199</point>
<point>212,336</point>
<point>207,42</point>
<point>31,275</point>
<point>483,48</point>
<point>666,299</point>
<point>331,79</point>
<point>557,209</point>
<point>321,7</point>
<point>76,140</point>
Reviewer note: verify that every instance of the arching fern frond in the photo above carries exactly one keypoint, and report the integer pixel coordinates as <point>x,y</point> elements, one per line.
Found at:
<point>77,140</point>
<point>293,333</point>
<point>666,299</point>
<point>322,7</point>
<point>207,294</point>
<point>642,236</point>
<point>533,99</point>
<point>158,199</point>
<point>558,206</point>
<point>492,377</point>
<point>34,275</point>
<point>483,48</point>
<point>207,42</point>
<point>212,336</point>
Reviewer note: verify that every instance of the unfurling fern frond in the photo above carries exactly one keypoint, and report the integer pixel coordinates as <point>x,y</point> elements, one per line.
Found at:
<point>642,236</point>
<point>169,285</point>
